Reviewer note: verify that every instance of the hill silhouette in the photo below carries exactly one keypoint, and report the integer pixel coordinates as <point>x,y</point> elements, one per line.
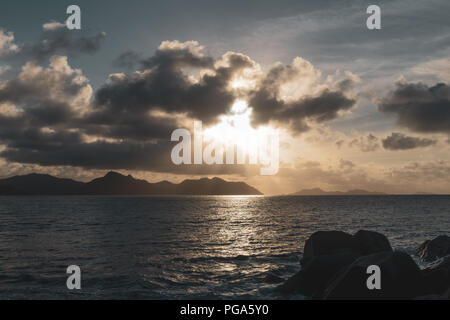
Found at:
<point>320,192</point>
<point>114,183</point>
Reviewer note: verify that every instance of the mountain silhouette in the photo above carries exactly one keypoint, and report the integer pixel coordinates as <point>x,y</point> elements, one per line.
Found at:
<point>114,183</point>
<point>320,192</point>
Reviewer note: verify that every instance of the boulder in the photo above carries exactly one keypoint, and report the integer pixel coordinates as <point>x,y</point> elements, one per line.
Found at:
<point>444,296</point>
<point>328,242</point>
<point>442,263</point>
<point>332,242</point>
<point>401,278</point>
<point>371,242</point>
<point>434,249</point>
<point>437,276</point>
<point>316,274</point>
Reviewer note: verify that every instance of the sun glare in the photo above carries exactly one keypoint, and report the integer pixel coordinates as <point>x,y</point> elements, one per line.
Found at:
<point>235,128</point>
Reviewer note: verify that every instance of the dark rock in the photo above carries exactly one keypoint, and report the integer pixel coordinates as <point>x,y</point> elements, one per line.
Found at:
<point>334,266</point>
<point>435,282</point>
<point>328,242</point>
<point>442,263</point>
<point>437,275</point>
<point>371,242</point>
<point>401,278</point>
<point>434,249</point>
<point>445,296</point>
<point>316,274</point>
<point>332,242</point>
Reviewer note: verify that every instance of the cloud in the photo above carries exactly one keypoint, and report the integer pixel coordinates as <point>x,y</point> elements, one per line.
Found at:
<point>399,141</point>
<point>438,67</point>
<point>45,96</point>
<point>422,174</point>
<point>341,176</point>
<point>346,165</point>
<point>53,25</point>
<point>65,149</point>
<point>365,143</point>
<point>174,55</point>
<point>55,39</point>
<point>7,44</point>
<point>50,116</point>
<point>339,143</point>
<point>291,95</point>
<point>419,107</point>
<point>164,84</point>
<point>312,101</point>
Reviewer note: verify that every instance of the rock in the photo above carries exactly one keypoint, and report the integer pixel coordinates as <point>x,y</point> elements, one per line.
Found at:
<point>435,282</point>
<point>328,242</point>
<point>442,263</point>
<point>445,296</point>
<point>433,249</point>
<point>437,276</point>
<point>334,266</point>
<point>371,242</point>
<point>401,278</point>
<point>315,275</point>
<point>332,242</point>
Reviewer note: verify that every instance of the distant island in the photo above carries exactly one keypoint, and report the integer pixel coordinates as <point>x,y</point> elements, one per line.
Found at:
<point>320,192</point>
<point>114,183</point>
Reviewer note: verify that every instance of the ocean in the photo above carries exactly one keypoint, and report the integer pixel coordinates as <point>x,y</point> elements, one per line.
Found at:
<point>207,247</point>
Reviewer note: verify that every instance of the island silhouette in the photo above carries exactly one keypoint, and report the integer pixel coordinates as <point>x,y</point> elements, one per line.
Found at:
<point>114,183</point>
<point>320,192</point>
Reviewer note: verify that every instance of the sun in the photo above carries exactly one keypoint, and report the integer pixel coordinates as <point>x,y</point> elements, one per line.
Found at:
<point>235,128</point>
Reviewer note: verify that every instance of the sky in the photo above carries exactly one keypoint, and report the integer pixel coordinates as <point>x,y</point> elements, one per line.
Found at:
<point>355,108</point>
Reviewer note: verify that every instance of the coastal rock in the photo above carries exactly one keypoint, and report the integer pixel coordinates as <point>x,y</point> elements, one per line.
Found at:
<point>316,274</point>
<point>445,296</point>
<point>437,275</point>
<point>401,278</point>
<point>434,249</point>
<point>334,266</point>
<point>328,242</point>
<point>371,242</point>
<point>331,242</point>
<point>442,263</point>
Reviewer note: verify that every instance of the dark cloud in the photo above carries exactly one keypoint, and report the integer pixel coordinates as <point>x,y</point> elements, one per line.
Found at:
<point>127,155</point>
<point>37,140</point>
<point>325,105</point>
<point>399,141</point>
<point>164,85</point>
<point>55,39</point>
<point>51,116</point>
<point>366,143</point>
<point>47,116</point>
<point>419,107</point>
<point>45,97</point>
<point>100,154</point>
<point>174,55</point>
<point>123,125</point>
